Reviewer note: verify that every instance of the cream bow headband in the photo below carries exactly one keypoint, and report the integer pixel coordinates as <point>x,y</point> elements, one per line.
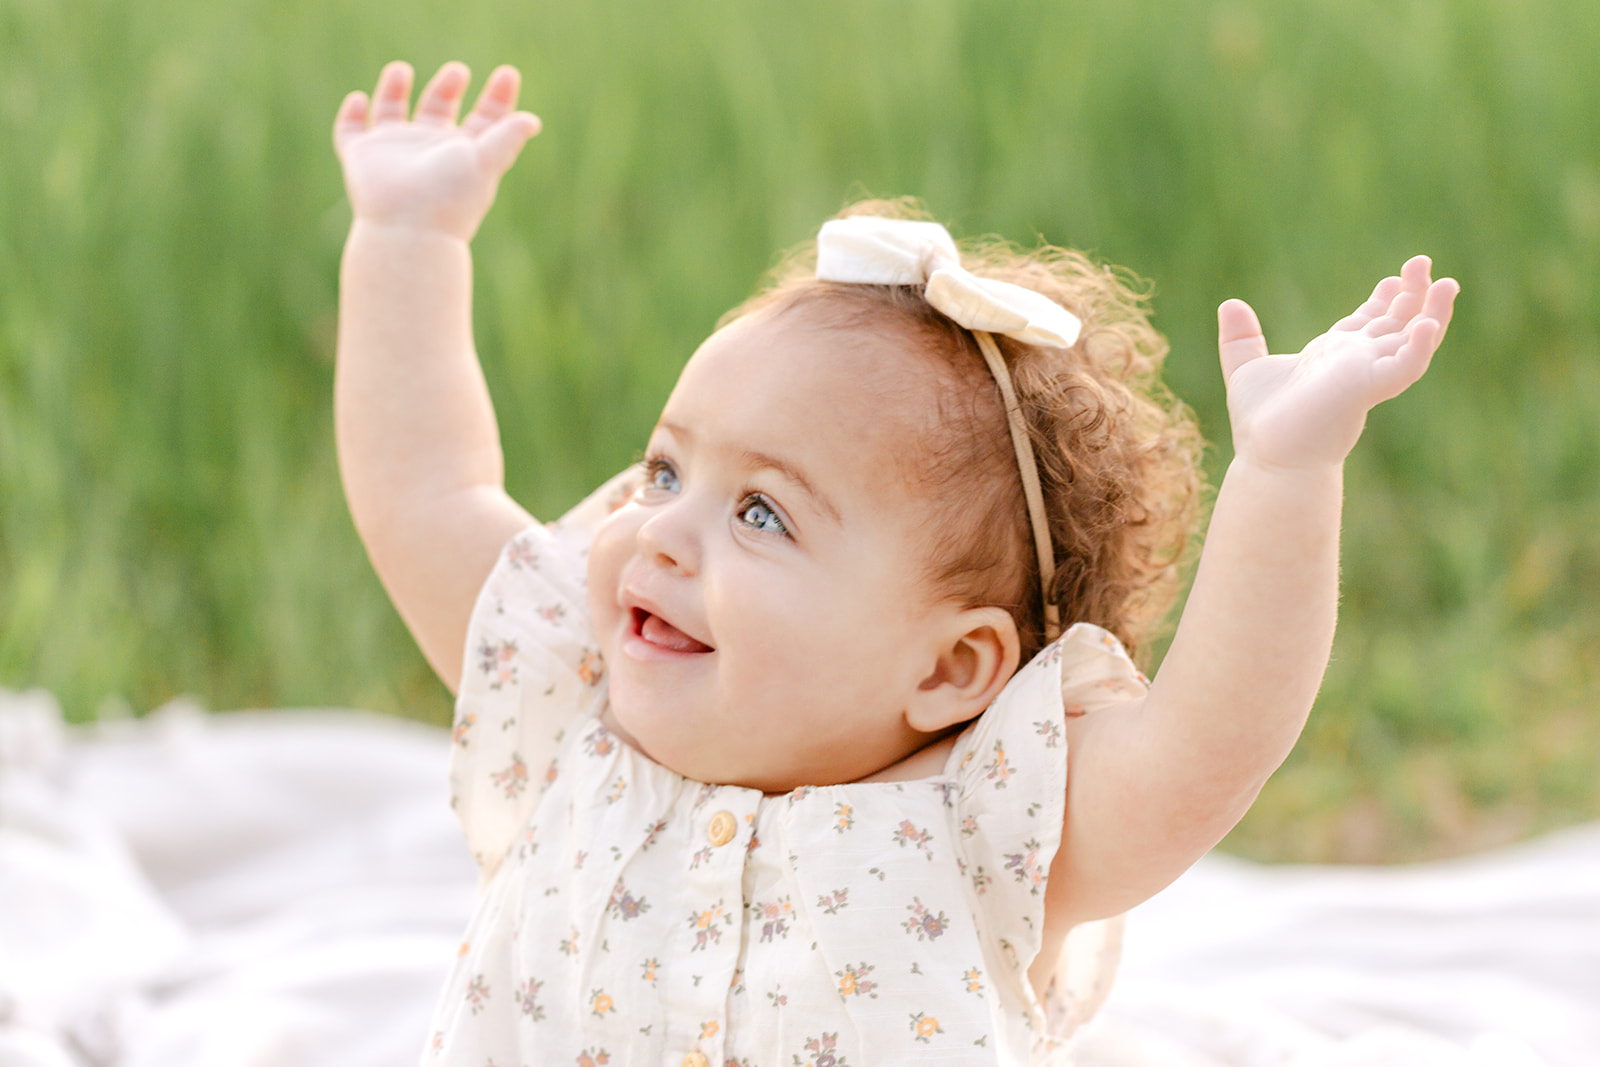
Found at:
<point>867,250</point>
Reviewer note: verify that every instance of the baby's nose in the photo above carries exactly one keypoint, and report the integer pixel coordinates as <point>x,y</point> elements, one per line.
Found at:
<point>670,537</point>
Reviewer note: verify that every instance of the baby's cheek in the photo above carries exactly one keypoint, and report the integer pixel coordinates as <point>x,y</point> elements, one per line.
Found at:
<point>607,555</point>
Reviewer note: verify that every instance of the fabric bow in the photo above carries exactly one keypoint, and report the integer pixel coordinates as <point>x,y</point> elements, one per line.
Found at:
<point>867,250</point>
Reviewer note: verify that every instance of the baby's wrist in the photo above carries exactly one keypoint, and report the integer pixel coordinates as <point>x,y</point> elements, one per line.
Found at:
<point>405,231</point>
<point>1310,470</point>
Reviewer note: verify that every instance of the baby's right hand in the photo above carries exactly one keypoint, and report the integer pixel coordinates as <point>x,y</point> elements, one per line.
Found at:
<point>427,172</point>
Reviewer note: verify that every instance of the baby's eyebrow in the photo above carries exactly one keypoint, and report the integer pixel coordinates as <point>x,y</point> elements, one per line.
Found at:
<point>763,460</point>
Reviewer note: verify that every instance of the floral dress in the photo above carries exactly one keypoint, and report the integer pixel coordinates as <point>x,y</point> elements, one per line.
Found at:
<point>630,916</point>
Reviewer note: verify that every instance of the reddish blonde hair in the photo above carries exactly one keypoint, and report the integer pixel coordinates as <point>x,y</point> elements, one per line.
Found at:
<point>1118,455</point>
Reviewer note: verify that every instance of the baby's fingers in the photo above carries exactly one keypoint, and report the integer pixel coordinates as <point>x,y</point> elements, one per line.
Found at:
<point>1415,280</point>
<point>1392,375</point>
<point>350,121</point>
<point>497,100</point>
<point>1440,303</point>
<point>500,145</point>
<point>392,97</point>
<point>1376,304</point>
<point>440,101</point>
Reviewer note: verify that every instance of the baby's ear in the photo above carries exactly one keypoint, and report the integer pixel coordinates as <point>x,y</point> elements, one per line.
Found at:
<point>977,653</point>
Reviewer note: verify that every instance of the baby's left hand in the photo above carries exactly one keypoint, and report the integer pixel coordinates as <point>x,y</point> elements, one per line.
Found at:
<point>1309,409</point>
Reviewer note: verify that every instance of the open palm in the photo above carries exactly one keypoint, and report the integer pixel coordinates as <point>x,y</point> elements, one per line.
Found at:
<point>426,170</point>
<point>1310,408</point>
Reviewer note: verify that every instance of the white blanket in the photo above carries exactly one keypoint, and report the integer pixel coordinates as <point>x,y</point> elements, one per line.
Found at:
<point>284,889</point>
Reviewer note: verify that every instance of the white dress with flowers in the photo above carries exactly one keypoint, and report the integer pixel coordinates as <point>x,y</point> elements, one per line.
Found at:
<point>630,916</point>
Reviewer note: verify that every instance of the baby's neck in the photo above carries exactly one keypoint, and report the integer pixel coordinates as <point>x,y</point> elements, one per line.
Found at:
<point>925,762</point>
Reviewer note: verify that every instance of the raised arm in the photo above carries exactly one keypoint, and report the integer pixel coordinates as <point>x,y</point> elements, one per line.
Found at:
<point>419,451</point>
<point>1153,788</point>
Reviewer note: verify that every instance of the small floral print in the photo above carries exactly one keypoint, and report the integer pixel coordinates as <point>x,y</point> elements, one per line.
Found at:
<point>497,661</point>
<point>924,923</point>
<point>1051,732</point>
<point>520,554</point>
<point>593,1057</point>
<point>650,967</point>
<point>527,999</point>
<point>778,997</point>
<point>974,980</point>
<point>653,832</point>
<point>736,986</point>
<point>700,857</point>
<point>513,779</point>
<point>998,770</point>
<point>969,826</point>
<point>822,1052</point>
<point>1026,868</point>
<point>1050,656</point>
<point>478,993</point>
<point>600,1003</point>
<point>708,1029</point>
<point>463,727</point>
<point>925,1026</point>
<point>551,773</point>
<point>853,981</point>
<point>552,613</point>
<point>981,880</point>
<point>577,859</point>
<point>775,917</point>
<point>619,786</point>
<point>590,668</point>
<point>877,872</point>
<point>707,926</point>
<point>843,818</point>
<point>907,833</point>
<point>624,905</point>
<point>436,1046</point>
<point>832,902</point>
<point>569,945</point>
<point>599,742</point>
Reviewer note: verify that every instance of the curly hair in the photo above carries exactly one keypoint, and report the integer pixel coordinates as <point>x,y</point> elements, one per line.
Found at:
<point>1118,455</point>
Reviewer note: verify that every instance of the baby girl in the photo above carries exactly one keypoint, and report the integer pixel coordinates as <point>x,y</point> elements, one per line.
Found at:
<point>808,740</point>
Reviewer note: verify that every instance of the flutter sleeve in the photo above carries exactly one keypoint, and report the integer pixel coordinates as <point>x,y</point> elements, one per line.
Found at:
<point>1011,775</point>
<point>531,666</point>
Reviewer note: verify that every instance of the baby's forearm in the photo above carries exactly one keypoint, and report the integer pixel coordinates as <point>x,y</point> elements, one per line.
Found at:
<point>419,450</point>
<point>1235,688</point>
<point>413,413</point>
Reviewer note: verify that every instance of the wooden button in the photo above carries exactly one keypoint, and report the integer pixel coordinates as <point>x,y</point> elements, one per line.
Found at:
<point>723,827</point>
<point>694,1059</point>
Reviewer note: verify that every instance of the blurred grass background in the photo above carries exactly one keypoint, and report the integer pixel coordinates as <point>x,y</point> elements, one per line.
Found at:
<point>171,217</point>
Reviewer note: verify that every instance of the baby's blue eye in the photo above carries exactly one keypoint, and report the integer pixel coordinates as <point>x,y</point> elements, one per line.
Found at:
<point>662,476</point>
<point>759,515</point>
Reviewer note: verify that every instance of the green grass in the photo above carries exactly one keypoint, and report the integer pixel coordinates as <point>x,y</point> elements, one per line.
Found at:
<point>171,218</point>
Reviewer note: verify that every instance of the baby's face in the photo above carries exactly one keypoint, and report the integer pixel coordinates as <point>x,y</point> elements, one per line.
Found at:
<point>761,601</point>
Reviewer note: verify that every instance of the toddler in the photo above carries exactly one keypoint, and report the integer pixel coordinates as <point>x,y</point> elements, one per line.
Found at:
<point>775,751</point>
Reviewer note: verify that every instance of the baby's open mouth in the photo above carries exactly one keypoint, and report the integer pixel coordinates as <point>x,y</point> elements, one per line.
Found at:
<point>661,633</point>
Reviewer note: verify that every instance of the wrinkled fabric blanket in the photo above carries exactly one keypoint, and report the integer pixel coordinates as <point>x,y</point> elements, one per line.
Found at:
<point>286,889</point>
